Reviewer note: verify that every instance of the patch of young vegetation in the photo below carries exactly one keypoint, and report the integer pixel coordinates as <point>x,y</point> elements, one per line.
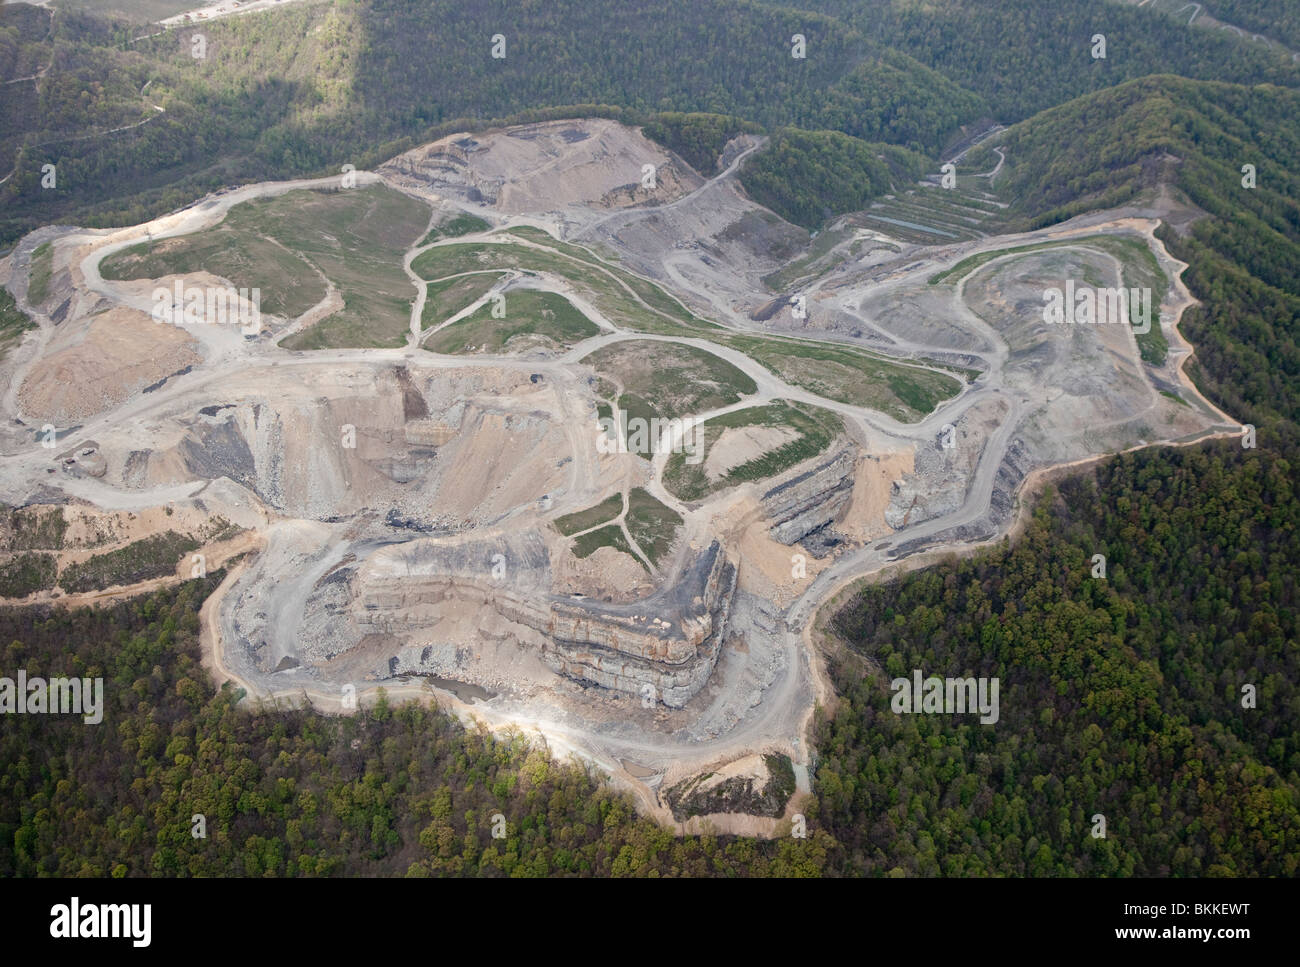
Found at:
<point>143,560</point>
<point>582,520</point>
<point>668,381</point>
<point>652,524</point>
<point>446,297</point>
<point>816,428</point>
<point>13,322</point>
<point>532,318</point>
<point>355,238</point>
<point>848,375</point>
<point>460,224</point>
<point>648,292</point>
<point>584,545</point>
<point>25,574</point>
<point>40,270</point>
<point>737,794</point>
<point>33,529</point>
<point>627,300</point>
<point>286,282</point>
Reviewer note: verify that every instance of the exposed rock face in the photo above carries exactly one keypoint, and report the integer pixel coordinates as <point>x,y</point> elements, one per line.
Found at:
<point>809,502</point>
<point>669,640</point>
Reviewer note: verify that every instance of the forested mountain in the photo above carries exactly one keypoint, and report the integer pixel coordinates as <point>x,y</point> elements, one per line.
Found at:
<point>1023,56</point>
<point>137,124</point>
<point>808,177</point>
<point>1120,697</point>
<point>1276,19</point>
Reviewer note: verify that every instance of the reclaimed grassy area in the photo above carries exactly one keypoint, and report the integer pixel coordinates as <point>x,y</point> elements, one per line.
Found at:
<point>39,273</point>
<point>13,323</point>
<point>355,238</point>
<point>652,524</point>
<point>584,545</point>
<point>614,292</point>
<point>816,428</point>
<point>445,298</point>
<point>667,380</point>
<point>847,375</point>
<point>455,227</point>
<point>533,319</point>
<point>582,520</point>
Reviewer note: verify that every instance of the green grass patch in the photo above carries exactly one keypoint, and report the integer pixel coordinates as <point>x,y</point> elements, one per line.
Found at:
<point>143,560</point>
<point>652,524</point>
<point>355,238</point>
<point>668,381</point>
<point>532,317</point>
<point>582,520</point>
<point>287,283</point>
<point>815,427</point>
<point>26,574</point>
<point>649,292</point>
<point>613,291</point>
<point>39,273</point>
<point>584,545</point>
<point>462,224</point>
<point>851,376</point>
<point>13,322</point>
<point>445,298</point>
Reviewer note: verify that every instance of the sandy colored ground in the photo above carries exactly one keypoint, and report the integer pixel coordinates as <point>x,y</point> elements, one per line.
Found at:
<point>606,573</point>
<point>740,444</point>
<point>873,478</point>
<point>123,351</point>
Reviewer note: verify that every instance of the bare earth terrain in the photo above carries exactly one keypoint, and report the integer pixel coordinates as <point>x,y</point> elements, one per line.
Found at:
<point>463,528</point>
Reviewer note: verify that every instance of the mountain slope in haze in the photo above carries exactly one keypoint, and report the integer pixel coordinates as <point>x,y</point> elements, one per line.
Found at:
<point>309,87</point>
<point>137,125</point>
